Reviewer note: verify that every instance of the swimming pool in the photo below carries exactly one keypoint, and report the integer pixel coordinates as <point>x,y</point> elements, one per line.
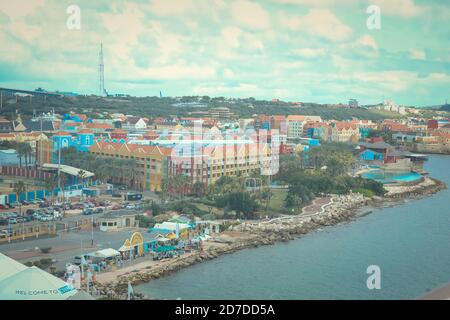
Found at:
<point>391,176</point>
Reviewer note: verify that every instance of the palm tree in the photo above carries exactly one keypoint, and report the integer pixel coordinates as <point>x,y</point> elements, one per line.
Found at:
<point>19,188</point>
<point>27,152</point>
<point>81,175</point>
<point>20,151</point>
<point>50,185</point>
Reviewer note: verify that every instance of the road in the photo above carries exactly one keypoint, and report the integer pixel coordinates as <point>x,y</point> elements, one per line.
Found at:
<point>66,246</point>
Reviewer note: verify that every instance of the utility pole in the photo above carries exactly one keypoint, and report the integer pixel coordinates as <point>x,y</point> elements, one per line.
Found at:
<point>1,99</point>
<point>92,232</point>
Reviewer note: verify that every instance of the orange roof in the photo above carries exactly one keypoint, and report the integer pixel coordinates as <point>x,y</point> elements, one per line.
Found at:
<point>99,126</point>
<point>278,117</point>
<point>295,117</point>
<point>346,126</point>
<point>62,133</point>
<point>85,131</point>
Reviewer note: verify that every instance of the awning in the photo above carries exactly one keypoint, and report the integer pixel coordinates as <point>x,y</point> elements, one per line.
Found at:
<point>105,253</point>
<point>9,266</point>
<point>67,169</point>
<point>125,248</point>
<point>34,284</point>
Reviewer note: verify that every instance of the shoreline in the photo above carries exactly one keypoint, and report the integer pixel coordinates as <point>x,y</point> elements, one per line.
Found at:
<point>340,208</point>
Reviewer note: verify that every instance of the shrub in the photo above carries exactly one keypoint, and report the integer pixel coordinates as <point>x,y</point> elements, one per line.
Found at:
<point>46,250</point>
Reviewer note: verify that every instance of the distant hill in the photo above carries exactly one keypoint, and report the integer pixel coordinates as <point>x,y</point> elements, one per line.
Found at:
<point>445,107</point>
<point>154,107</point>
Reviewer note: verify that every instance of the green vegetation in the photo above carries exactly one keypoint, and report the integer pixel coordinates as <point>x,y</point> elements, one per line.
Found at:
<point>97,107</point>
<point>327,170</point>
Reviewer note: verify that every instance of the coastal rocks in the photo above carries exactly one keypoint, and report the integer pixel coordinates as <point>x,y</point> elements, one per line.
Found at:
<point>245,235</point>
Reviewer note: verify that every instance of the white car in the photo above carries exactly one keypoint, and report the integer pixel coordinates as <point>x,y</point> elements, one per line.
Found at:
<point>131,206</point>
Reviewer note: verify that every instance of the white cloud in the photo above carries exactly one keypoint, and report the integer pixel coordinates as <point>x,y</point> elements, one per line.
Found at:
<point>250,14</point>
<point>222,89</point>
<point>228,73</point>
<point>171,7</point>
<point>367,41</point>
<point>232,35</point>
<point>401,8</point>
<point>309,52</point>
<point>417,54</point>
<point>20,9</point>
<point>316,3</point>
<point>318,22</point>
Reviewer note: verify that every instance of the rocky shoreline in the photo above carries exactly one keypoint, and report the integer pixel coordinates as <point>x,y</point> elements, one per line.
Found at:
<point>247,235</point>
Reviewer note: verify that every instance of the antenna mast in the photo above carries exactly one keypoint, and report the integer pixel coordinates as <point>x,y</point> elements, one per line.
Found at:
<point>101,72</point>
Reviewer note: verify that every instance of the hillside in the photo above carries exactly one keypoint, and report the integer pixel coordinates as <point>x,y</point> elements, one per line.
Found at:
<point>154,106</point>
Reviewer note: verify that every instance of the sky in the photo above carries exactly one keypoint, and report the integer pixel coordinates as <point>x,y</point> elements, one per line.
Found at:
<point>296,50</point>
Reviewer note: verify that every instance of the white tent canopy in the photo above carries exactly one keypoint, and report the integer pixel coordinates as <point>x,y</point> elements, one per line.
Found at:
<point>34,284</point>
<point>171,226</point>
<point>9,266</point>
<point>104,253</point>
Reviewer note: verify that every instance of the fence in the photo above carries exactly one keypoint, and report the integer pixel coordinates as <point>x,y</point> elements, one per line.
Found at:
<point>25,172</point>
<point>23,232</point>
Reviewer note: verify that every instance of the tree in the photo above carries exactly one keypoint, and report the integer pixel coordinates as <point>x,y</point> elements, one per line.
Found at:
<point>50,184</point>
<point>199,189</point>
<point>19,188</point>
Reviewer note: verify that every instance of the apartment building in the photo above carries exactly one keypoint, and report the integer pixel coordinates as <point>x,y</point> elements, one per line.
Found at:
<point>151,161</point>
<point>344,132</point>
<point>295,125</point>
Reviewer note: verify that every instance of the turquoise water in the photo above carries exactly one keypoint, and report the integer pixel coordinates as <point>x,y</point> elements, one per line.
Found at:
<point>410,243</point>
<point>391,176</point>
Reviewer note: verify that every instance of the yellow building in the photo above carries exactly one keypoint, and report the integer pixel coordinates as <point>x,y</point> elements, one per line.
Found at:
<point>151,161</point>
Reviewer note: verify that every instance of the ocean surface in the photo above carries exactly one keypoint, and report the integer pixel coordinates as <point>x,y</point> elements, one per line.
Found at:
<point>410,243</point>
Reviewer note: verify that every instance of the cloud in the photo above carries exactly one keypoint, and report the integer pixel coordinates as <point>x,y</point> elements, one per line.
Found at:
<point>231,35</point>
<point>316,3</point>
<point>417,54</point>
<point>309,52</point>
<point>400,8</point>
<point>171,7</point>
<point>368,41</point>
<point>240,89</point>
<point>20,9</point>
<point>250,15</point>
<point>318,22</point>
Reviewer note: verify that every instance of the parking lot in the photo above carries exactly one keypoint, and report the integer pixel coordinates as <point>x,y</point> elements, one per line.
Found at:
<point>62,215</point>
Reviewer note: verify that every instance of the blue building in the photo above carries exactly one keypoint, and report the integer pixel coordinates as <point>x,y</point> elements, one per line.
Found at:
<point>81,141</point>
<point>370,155</point>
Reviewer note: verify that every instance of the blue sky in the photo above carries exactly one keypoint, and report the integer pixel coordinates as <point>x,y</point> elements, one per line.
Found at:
<point>295,50</point>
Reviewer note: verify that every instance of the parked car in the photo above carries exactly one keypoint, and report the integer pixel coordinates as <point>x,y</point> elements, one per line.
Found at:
<point>24,202</point>
<point>122,187</point>
<point>10,205</point>
<point>47,217</point>
<point>43,205</point>
<point>4,234</point>
<point>98,210</point>
<point>3,222</point>
<point>12,220</point>
<point>30,211</point>
<point>88,212</point>
<point>3,206</point>
<point>15,204</point>
<point>28,218</point>
<point>20,219</point>
<point>130,206</point>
